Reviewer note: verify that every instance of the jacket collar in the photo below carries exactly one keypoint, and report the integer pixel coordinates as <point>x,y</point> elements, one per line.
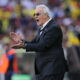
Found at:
<point>48,24</point>
<point>44,25</point>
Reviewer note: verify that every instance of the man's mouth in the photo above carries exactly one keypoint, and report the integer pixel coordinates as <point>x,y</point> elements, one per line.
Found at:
<point>37,20</point>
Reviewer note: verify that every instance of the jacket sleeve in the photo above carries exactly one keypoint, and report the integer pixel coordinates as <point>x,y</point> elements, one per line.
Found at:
<point>49,39</point>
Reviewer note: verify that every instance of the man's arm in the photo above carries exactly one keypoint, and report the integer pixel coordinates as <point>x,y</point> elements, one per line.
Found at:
<point>19,43</point>
<point>50,38</point>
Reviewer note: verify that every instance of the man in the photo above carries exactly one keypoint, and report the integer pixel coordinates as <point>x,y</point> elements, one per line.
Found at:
<point>8,61</point>
<point>49,59</point>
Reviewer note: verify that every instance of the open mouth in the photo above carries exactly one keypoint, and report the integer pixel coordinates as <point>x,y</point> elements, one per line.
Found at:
<point>37,20</point>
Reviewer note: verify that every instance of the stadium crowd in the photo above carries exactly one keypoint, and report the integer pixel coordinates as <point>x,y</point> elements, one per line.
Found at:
<point>17,15</point>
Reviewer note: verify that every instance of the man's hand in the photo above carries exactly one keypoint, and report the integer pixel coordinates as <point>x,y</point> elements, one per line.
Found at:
<point>16,40</point>
<point>16,37</point>
<point>17,45</point>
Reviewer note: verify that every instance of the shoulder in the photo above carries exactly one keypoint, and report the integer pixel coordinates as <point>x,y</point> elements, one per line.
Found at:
<point>54,26</point>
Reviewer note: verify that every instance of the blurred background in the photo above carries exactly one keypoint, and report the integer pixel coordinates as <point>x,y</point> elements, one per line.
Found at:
<point>17,16</point>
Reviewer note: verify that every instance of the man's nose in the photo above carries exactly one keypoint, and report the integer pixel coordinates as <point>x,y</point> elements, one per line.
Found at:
<point>36,16</point>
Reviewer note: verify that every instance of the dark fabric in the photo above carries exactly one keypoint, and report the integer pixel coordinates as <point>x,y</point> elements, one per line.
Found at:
<point>49,57</point>
<point>50,77</point>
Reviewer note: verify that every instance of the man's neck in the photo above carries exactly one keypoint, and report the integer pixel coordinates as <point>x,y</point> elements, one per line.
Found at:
<point>46,22</point>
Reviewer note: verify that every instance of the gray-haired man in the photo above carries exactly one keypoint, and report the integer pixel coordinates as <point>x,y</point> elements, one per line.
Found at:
<point>49,59</point>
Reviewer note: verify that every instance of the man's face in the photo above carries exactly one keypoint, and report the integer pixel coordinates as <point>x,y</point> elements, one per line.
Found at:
<point>40,17</point>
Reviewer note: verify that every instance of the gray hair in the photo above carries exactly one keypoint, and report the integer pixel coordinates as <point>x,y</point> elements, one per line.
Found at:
<point>45,9</point>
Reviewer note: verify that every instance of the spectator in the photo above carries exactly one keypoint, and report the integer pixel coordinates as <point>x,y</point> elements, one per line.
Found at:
<point>8,64</point>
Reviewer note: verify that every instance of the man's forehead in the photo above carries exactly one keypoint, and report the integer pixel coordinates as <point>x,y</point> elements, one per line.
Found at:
<point>38,10</point>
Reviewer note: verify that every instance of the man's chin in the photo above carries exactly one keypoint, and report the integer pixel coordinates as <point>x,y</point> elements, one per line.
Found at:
<point>39,24</point>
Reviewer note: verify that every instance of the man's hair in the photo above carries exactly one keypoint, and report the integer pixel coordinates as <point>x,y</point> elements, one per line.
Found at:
<point>45,9</point>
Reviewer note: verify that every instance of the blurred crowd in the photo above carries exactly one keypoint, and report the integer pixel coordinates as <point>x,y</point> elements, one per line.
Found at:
<point>17,16</point>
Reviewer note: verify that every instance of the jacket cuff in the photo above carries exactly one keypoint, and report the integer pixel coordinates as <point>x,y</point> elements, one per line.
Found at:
<point>25,44</point>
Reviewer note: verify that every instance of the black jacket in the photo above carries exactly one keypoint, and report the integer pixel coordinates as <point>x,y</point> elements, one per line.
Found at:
<point>49,57</point>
